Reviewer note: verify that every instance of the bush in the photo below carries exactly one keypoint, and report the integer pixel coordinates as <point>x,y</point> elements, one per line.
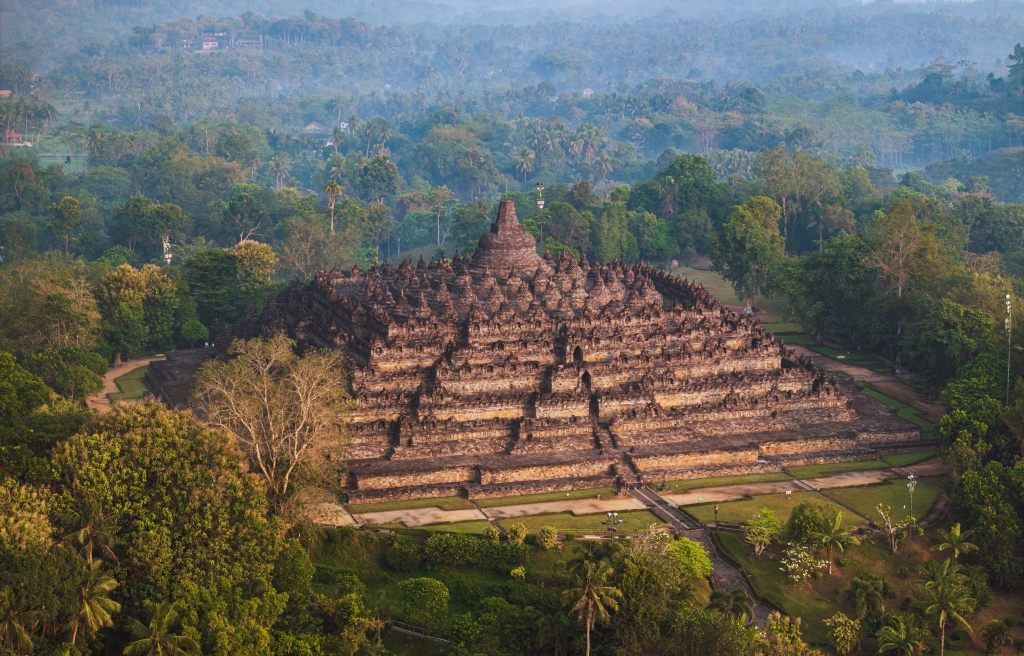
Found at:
<point>1010,621</point>
<point>506,555</point>
<point>995,635</point>
<point>903,571</point>
<point>518,573</point>
<point>547,537</point>
<point>843,562</point>
<point>403,555</point>
<point>424,601</point>
<point>492,535</point>
<point>570,536</point>
<point>449,550</point>
<point>516,533</point>
<point>818,574</point>
<point>807,519</point>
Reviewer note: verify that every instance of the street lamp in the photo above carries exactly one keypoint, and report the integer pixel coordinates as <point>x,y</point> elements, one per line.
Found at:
<point>540,195</point>
<point>716,515</point>
<point>911,484</point>
<point>1009,333</point>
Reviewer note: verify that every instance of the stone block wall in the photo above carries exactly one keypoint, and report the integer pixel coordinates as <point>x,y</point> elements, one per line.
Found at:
<point>380,480</point>
<point>541,472</point>
<point>695,459</point>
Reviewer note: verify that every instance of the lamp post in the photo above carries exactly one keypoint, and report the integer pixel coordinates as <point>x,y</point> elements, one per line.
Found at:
<point>911,484</point>
<point>716,515</point>
<point>540,207</point>
<point>1009,333</point>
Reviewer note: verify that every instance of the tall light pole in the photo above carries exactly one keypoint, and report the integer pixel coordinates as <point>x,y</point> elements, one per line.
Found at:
<point>1009,334</point>
<point>911,484</point>
<point>540,207</point>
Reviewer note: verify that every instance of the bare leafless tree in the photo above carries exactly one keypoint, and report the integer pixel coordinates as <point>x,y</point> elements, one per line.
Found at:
<point>288,413</point>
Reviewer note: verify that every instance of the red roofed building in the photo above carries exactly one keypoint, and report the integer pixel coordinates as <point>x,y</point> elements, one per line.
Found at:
<point>587,92</point>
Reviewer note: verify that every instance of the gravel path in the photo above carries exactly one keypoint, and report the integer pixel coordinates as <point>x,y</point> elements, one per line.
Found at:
<point>100,402</point>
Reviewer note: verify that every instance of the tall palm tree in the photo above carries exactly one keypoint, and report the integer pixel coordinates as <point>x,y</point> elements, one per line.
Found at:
<point>948,602</point>
<point>95,607</point>
<point>337,135</point>
<point>904,639</point>
<point>279,167</point>
<point>956,540</point>
<point>157,639</point>
<point>93,530</point>
<point>833,536</point>
<point>524,160</point>
<point>14,618</point>
<point>592,598</point>
<point>333,190</point>
<point>734,603</point>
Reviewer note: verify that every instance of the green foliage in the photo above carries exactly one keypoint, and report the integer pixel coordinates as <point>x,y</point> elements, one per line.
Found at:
<point>750,248</point>
<point>516,533</point>
<point>173,482</point>
<point>844,633</point>
<point>704,632</point>
<point>807,519</point>
<point>228,282</point>
<point>424,601</point>
<point>643,608</point>
<point>691,557</point>
<point>948,337</point>
<point>21,392</point>
<point>403,555</point>
<point>983,501</point>
<point>762,529</point>
<point>451,550</point>
<point>547,537</point>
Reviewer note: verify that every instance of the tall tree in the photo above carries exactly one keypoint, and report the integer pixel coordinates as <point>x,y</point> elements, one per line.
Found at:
<point>95,607</point>
<point>901,638</point>
<point>333,190</point>
<point>64,218</point>
<point>833,536</point>
<point>955,540</point>
<point>15,622</point>
<point>287,413</point>
<point>749,248</point>
<point>592,598</point>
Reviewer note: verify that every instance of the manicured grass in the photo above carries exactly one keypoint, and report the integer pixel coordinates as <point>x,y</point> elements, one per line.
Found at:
<point>722,290</point>
<point>904,459</point>
<point>903,410</point>
<point>681,487</point>
<point>131,386</point>
<point>840,355</point>
<point>475,527</point>
<point>605,492</point>
<point>737,512</point>
<point>941,482</point>
<point>444,503</point>
<point>820,471</point>
<point>865,499</point>
<point>783,328</point>
<point>633,521</point>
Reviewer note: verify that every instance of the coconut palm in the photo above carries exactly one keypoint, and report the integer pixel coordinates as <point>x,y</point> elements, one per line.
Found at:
<point>735,603</point>
<point>936,573</point>
<point>95,607</point>
<point>279,167</point>
<point>592,598</point>
<point>904,639</point>
<point>956,540</point>
<point>524,160</point>
<point>833,536</point>
<point>337,135</point>
<point>948,603</point>
<point>93,530</point>
<point>157,639</point>
<point>333,190</point>
<point>14,618</point>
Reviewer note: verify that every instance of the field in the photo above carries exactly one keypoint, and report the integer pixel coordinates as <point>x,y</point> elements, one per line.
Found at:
<point>721,289</point>
<point>131,386</point>
<point>903,410</point>
<point>905,459</point>
<point>737,512</point>
<point>444,503</point>
<point>865,499</point>
<point>682,487</point>
<point>472,527</point>
<point>633,521</point>
<point>821,471</point>
<point>605,492</point>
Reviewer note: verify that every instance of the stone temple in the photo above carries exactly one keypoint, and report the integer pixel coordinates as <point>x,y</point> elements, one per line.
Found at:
<point>507,373</point>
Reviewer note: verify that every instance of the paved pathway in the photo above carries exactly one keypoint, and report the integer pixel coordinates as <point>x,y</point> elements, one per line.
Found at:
<point>100,402</point>
<point>576,506</point>
<point>419,516</point>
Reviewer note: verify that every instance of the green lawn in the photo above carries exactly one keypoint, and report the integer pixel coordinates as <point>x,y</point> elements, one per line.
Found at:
<point>475,527</point>
<point>444,503</point>
<point>940,482</point>
<point>841,355</point>
<point>821,471</point>
<point>605,492</point>
<point>865,499</point>
<point>903,410</point>
<point>905,459</point>
<point>722,290</point>
<point>737,512</point>
<point>131,386</point>
<point>681,487</point>
<point>633,522</point>
<point>783,328</point>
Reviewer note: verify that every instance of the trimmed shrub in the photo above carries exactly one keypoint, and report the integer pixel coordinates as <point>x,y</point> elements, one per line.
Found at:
<point>547,537</point>
<point>516,533</point>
